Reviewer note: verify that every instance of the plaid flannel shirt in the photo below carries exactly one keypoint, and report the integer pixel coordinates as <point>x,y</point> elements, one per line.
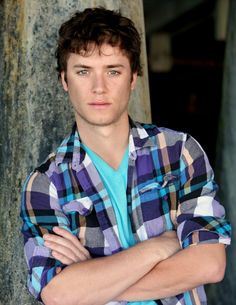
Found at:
<point>170,187</point>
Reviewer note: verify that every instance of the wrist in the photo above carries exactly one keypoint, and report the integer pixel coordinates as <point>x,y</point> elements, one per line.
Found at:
<point>151,250</point>
<point>161,247</point>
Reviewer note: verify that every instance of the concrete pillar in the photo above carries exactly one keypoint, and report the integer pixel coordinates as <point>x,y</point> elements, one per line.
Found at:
<point>225,292</point>
<point>34,113</point>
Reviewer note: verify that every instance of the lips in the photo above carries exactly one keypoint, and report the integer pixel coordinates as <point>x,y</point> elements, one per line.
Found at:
<point>99,104</point>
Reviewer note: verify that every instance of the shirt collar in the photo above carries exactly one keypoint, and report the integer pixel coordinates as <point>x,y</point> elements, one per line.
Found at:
<point>71,151</point>
<point>139,138</point>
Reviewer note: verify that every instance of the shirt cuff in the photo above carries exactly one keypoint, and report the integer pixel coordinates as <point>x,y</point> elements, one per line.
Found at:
<point>204,237</point>
<point>204,230</point>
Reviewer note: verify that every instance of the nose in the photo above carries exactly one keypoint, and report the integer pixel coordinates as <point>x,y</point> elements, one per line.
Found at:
<point>99,84</point>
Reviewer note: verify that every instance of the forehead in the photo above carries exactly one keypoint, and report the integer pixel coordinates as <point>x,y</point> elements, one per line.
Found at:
<point>104,53</point>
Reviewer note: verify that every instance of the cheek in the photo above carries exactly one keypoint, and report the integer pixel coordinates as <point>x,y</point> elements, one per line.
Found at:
<point>76,89</point>
<point>74,95</point>
<point>125,90</point>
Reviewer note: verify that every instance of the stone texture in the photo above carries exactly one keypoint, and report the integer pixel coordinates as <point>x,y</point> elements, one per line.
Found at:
<point>35,114</point>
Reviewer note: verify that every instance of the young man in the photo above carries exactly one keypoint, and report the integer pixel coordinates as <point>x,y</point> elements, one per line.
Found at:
<point>123,212</point>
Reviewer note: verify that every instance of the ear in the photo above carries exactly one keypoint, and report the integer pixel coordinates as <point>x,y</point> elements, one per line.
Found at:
<point>63,81</point>
<point>134,80</point>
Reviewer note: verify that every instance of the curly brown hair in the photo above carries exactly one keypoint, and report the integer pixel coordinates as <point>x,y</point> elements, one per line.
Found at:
<point>92,28</point>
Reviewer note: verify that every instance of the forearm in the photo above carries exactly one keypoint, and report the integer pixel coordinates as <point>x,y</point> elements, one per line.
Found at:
<point>187,269</point>
<point>97,281</point>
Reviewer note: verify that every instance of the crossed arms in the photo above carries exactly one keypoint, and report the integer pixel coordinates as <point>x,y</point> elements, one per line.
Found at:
<point>152,269</point>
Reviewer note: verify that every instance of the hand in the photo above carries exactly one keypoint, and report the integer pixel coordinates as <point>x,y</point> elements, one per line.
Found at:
<point>65,247</point>
<point>163,246</point>
<point>168,244</point>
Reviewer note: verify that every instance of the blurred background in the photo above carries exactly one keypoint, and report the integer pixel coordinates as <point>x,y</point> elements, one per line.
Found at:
<point>186,46</point>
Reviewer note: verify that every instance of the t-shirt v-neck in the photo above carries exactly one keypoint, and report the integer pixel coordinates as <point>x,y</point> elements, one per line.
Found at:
<point>115,182</point>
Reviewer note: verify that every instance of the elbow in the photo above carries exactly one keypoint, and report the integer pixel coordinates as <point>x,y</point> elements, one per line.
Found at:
<point>218,272</point>
<point>215,263</point>
<point>51,295</point>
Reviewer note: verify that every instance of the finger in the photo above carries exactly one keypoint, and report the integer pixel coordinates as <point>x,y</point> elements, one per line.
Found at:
<point>66,251</point>
<point>62,258</point>
<point>68,235</point>
<point>67,239</point>
<point>53,241</point>
<point>58,270</point>
<point>61,241</point>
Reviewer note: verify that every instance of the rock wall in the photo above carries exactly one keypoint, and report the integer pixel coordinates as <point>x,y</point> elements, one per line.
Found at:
<point>35,114</point>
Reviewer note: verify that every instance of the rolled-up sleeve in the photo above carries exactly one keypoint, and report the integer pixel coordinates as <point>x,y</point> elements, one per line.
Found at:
<point>200,216</point>
<point>40,212</point>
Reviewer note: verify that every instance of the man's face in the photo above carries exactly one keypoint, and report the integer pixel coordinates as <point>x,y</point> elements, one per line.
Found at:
<point>99,85</point>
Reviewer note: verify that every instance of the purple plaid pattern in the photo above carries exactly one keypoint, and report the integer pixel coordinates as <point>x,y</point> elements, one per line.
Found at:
<point>170,187</point>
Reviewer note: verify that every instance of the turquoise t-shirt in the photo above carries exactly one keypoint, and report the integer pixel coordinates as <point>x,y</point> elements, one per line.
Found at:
<point>115,182</point>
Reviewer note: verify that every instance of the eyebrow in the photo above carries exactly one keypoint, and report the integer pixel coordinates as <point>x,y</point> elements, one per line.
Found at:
<point>81,66</point>
<point>115,66</point>
<point>89,67</point>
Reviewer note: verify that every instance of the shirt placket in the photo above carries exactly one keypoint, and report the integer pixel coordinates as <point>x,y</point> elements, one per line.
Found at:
<point>92,184</point>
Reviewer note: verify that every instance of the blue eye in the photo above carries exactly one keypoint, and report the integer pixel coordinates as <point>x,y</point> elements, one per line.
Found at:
<point>113,72</point>
<point>83,72</point>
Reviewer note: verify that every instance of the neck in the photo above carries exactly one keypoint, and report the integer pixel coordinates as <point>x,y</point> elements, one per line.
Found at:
<point>109,142</point>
